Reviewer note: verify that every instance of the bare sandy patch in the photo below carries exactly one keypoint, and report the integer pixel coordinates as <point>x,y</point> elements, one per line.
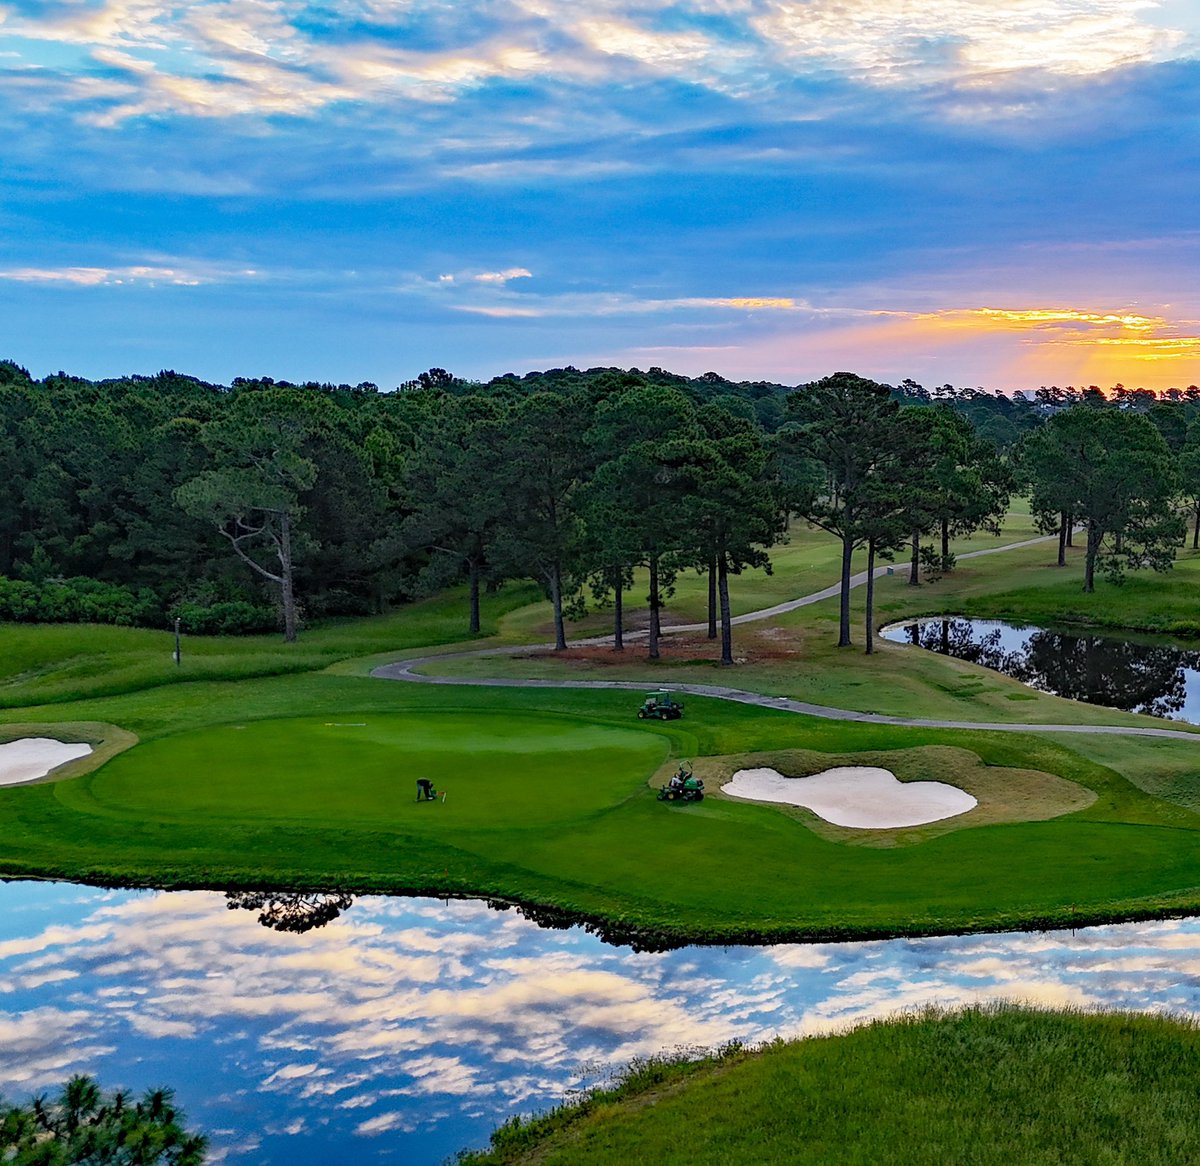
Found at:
<point>30,758</point>
<point>860,797</point>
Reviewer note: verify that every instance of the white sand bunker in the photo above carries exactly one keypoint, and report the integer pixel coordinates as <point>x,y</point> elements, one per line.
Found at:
<point>861,797</point>
<point>34,757</point>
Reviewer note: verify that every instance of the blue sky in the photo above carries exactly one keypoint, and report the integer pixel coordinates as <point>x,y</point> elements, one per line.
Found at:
<point>991,192</point>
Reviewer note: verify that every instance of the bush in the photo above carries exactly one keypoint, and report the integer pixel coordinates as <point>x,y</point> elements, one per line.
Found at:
<point>83,600</point>
<point>78,601</point>
<point>229,618</point>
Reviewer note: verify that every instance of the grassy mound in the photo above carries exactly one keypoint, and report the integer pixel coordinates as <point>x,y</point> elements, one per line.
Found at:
<point>985,1086</point>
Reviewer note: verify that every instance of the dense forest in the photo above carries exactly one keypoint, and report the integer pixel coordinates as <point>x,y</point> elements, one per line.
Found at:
<point>266,504</point>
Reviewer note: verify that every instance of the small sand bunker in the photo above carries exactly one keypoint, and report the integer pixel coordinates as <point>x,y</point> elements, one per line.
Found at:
<point>861,797</point>
<point>34,757</point>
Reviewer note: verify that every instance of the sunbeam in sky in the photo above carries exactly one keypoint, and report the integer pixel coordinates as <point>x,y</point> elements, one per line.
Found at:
<point>983,192</point>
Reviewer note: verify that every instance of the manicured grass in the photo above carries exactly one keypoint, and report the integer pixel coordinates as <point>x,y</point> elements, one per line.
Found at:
<point>505,771</point>
<point>550,803</point>
<point>308,779</point>
<point>985,1086</point>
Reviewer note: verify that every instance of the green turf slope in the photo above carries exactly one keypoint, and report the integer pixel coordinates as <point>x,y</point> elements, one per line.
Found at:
<point>991,1087</point>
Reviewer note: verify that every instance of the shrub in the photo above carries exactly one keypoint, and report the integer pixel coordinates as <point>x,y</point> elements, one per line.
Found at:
<point>83,600</point>
<point>228,618</point>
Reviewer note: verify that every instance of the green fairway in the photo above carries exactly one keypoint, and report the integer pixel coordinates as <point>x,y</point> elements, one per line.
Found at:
<point>550,802</point>
<point>991,1086</point>
<point>237,777</point>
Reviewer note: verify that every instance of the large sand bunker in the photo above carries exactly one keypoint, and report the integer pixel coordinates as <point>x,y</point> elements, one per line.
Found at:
<point>34,757</point>
<point>861,797</point>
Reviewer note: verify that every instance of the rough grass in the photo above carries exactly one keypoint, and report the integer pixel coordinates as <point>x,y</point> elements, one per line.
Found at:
<point>988,1086</point>
<point>41,663</point>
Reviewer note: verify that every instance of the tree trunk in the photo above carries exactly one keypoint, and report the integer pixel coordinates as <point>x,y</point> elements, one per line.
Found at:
<point>618,610</point>
<point>652,641</point>
<point>1119,539</point>
<point>726,623</point>
<point>945,541</point>
<point>914,574</point>
<point>844,622</point>
<point>1093,548</point>
<point>474,569</point>
<point>287,592</point>
<point>560,630</point>
<point>871,597</point>
<point>712,598</point>
<point>1070,530</point>
<point>1062,540</point>
<point>1196,532</point>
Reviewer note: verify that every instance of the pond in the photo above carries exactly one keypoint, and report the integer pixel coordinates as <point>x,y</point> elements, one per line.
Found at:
<point>315,1029</point>
<point>1135,675</point>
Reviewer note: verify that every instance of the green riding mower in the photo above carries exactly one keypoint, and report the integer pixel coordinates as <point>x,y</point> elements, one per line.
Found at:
<point>683,787</point>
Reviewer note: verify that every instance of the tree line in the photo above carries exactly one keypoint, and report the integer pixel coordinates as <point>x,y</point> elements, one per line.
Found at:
<point>239,507</point>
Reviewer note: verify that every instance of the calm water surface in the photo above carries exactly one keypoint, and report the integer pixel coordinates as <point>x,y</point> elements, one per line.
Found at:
<point>1161,679</point>
<point>400,1031</point>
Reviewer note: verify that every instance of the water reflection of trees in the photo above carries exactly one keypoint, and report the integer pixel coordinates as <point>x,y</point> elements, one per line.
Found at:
<point>1145,678</point>
<point>1135,677</point>
<point>963,640</point>
<point>615,933</point>
<point>290,911</point>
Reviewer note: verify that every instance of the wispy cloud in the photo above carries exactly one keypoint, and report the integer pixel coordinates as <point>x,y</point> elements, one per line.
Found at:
<point>738,176</point>
<point>904,43</point>
<point>595,304</point>
<point>502,277</point>
<point>229,58</point>
<point>178,276</point>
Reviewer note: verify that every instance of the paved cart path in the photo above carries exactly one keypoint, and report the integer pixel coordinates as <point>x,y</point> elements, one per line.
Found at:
<point>407,670</point>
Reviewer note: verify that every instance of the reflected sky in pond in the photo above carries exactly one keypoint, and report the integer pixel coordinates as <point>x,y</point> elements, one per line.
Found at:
<point>403,1030</point>
<point>1160,679</point>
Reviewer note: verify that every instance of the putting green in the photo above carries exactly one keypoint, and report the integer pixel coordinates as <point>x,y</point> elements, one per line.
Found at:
<point>497,769</point>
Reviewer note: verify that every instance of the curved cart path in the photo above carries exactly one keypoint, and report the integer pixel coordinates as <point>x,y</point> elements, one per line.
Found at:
<point>406,670</point>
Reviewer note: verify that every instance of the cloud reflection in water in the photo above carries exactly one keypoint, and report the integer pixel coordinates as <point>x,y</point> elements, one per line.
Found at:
<point>414,1026</point>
